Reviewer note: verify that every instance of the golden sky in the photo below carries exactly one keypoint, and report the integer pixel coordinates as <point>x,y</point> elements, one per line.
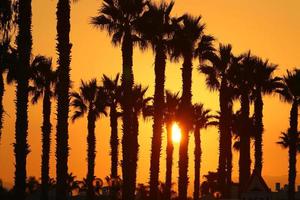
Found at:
<point>270,28</point>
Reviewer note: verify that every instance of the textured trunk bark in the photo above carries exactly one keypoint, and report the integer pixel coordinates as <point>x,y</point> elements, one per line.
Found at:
<point>114,143</point>
<point>127,140</point>
<point>159,68</point>
<point>63,85</point>
<point>169,162</point>
<point>91,154</point>
<point>293,131</point>
<point>244,161</point>
<point>197,153</point>
<point>46,139</point>
<point>185,124</point>
<point>258,116</point>
<point>21,149</point>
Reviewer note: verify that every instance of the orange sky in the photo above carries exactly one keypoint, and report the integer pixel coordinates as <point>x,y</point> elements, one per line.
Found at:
<point>270,28</point>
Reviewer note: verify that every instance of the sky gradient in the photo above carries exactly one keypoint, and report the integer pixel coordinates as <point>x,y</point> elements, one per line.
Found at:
<point>269,28</point>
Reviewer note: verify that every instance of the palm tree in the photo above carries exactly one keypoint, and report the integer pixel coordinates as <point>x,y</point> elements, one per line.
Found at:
<point>112,90</point>
<point>217,78</point>
<point>24,46</point>
<point>156,28</point>
<point>290,92</point>
<point>242,74</point>
<point>202,119</point>
<point>6,26</point>
<point>91,100</point>
<point>43,78</point>
<point>118,19</point>
<point>140,103</point>
<point>63,48</point>
<point>187,34</point>
<point>170,115</point>
<point>264,83</point>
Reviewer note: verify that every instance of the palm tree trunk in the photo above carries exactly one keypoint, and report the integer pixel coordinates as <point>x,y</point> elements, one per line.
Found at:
<point>21,149</point>
<point>227,193</point>
<point>258,116</point>
<point>64,50</point>
<point>46,139</point>
<point>127,140</point>
<point>1,103</point>
<point>197,153</point>
<point>222,140</point>
<point>293,131</point>
<point>169,162</point>
<point>185,123</point>
<point>114,142</point>
<point>134,156</point>
<point>244,160</point>
<point>160,65</point>
<point>91,154</point>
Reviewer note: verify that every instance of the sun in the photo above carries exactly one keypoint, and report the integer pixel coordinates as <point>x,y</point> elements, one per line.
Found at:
<point>176,133</point>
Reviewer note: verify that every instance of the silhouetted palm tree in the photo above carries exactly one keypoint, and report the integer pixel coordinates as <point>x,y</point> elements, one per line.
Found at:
<point>91,100</point>
<point>156,28</point>
<point>290,92</point>
<point>43,79</point>
<point>24,47</point>
<point>170,115</point>
<point>242,73</point>
<point>264,83</point>
<point>113,91</point>
<point>140,102</point>
<point>187,34</point>
<point>202,118</point>
<point>63,48</point>
<point>118,19</point>
<point>216,71</point>
<point>6,26</point>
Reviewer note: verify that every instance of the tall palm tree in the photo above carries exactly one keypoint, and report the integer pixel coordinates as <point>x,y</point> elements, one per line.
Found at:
<point>63,48</point>
<point>43,79</point>
<point>91,100</point>
<point>156,28</point>
<point>242,74</point>
<point>264,83</point>
<point>202,118</point>
<point>217,79</point>
<point>118,19</point>
<point>290,92</point>
<point>170,115</point>
<point>187,34</point>
<point>24,47</point>
<point>113,91</point>
<point>6,26</point>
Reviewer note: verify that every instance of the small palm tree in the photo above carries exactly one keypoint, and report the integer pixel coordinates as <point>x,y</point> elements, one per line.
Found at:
<point>217,79</point>
<point>156,28</point>
<point>118,18</point>
<point>91,100</point>
<point>113,91</point>
<point>172,102</point>
<point>187,34</point>
<point>43,79</point>
<point>140,102</point>
<point>202,119</point>
<point>290,92</point>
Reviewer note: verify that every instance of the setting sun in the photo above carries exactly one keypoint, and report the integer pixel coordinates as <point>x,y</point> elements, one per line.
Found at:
<point>176,133</point>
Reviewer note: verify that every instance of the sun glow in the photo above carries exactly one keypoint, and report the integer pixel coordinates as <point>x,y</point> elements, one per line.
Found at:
<point>176,133</point>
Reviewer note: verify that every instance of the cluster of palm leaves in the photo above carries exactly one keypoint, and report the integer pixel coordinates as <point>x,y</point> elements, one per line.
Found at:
<point>244,78</point>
